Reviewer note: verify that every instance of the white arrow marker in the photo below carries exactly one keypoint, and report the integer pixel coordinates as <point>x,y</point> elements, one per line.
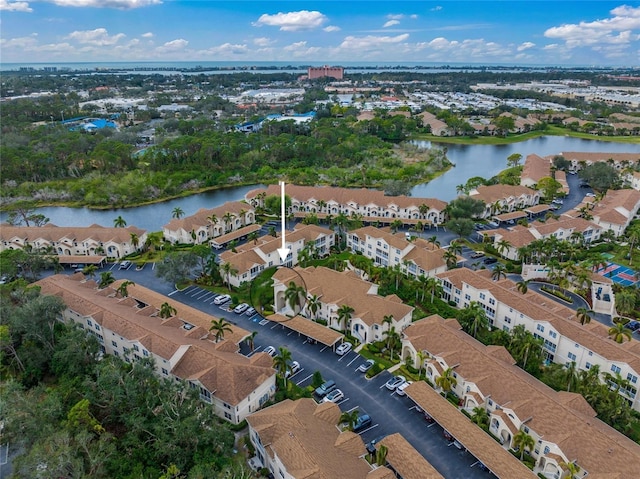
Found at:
<point>283,251</point>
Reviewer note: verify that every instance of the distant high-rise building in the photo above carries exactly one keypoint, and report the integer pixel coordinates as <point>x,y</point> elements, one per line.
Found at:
<point>326,71</point>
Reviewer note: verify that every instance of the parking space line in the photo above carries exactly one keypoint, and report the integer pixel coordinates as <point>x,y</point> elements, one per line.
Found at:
<point>263,322</point>
<point>205,298</point>
<point>198,290</point>
<point>275,325</point>
<point>303,380</point>
<point>350,362</point>
<point>203,293</point>
<point>188,289</point>
<point>290,333</point>
<point>343,401</point>
<point>352,409</point>
<point>368,429</point>
<point>324,348</point>
<point>173,292</point>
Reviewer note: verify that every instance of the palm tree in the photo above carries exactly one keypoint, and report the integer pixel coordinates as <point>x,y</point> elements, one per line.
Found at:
<point>571,375</point>
<point>228,270</point>
<point>584,315</point>
<point>123,289</point>
<point>281,363</point>
<point>423,209</point>
<point>571,468</point>
<point>395,225</point>
<point>381,455</point>
<point>250,340</point>
<point>388,320</point>
<point>295,295</point>
<point>227,218</point>
<point>523,441</point>
<point>90,270</point>
<point>499,271</point>
<point>503,246</point>
<point>119,222</point>
<point>177,212</point>
<point>421,357</point>
<point>446,381</point>
<point>619,333</point>
<point>243,216</point>
<point>480,416</point>
<point>350,418</point>
<point>106,278</point>
<point>313,305</point>
<point>434,241</point>
<point>393,338</point>
<point>344,315</point>
<point>476,318</point>
<point>166,311</point>
<point>523,286</point>
<point>461,189</point>
<point>253,236</point>
<point>450,258</point>
<point>221,327</point>
<point>625,302</point>
<point>135,241</point>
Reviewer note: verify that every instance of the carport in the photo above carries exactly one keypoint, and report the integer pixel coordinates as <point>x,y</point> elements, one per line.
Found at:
<point>537,209</point>
<point>308,328</point>
<point>222,240</point>
<point>77,259</point>
<point>514,215</point>
<point>482,446</point>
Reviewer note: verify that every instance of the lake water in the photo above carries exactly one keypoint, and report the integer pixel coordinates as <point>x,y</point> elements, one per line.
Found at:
<point>470,161</point>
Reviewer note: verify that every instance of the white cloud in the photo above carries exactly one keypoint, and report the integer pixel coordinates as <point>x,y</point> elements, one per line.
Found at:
<point>292,21</point>
<point>356,45</point>
<point>173,46</point>
<point>614,30</point>
<point>225,50</point>
<point>441,49</point>
<point>395,16</point>
<point>24,43</point>
<point>300,49</point>
<point>331,28</point>
<point>119,4</point>
<point>525,46</point>
<point>98,37</point>
<point>436,8</point>
<point>263,42</point>
<point>413,16</point>
<point>391,23</point>
<point>147,35</point>
<point>9,6</point>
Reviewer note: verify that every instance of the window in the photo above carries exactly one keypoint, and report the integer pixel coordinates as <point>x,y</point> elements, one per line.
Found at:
<point>507,319</point>
<point>615,369</point>
<point>632,378</point>
<point>89,322</point>
<point>467,297</point>
<point>114,344</point>
<point>553,334</point>
<point>116,354</point>
<point>572,356</point>
<point>136,348</point>
<point>492,301</point>
<point>540,328</point>
<point>145,353</point>
<point>588,365</point>
<point>165,372</point>
<point>482,296</point>
<point>97,327</point>
<point>546,449</point>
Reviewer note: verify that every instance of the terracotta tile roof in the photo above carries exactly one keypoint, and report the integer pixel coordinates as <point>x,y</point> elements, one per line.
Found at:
<point>245,230</point>
<point>617,206</point>
<point>474,439</point>
<point>199,218</point>
<point>535,167</point>
<point>408,462</point>
<point>552,225</point>
<point>595,156</point>
<point>345,288</point>
<point>217,366</point>
<point>593,336</point>
<point>307,443</point>
<point>492,193</point>
<point>343,196</point>
<point>53,233</point>
<point>309,328</point>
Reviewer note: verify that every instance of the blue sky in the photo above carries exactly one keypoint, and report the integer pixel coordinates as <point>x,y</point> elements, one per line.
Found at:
<point>549,32</point>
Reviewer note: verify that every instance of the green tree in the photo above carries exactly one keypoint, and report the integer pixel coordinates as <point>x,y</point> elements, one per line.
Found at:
<point>381,455</point>
<point>220,327</point>
<point>548,187</point>
<point>313,305</point>
<point>446,381</point>
<point>166,310</point>
<point>584,315</point>
<point>461,226</point>
<point>619,333</point>
<point>176,267</point>
<point>106,278</point>
<point>499,272</point>
<point>474,319</point>
<point>625,301</point>
<point>480,417</point>
<point>123,289</point>
<point>523,286</point>
<point>295,296</point>
<point>119,222</point>
<point>90,270</point>
<point>344,315</point>
<point>513,160</point>
<point>523,441</point>
<point>350,418</point>
<point>281,362</point>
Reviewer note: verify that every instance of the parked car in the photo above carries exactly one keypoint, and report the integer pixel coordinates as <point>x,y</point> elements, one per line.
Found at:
<point>428,418</point>
<point>334,396</point>
<point>250,312</point>
<point>490,260</point>
<point>363,422</point>
<point>477,254</point>
<point>394,382</point>
<point>325,388</point>
<point>270,350</point>
<point>371,446</point>
<point>584,185</point>
<point>368,364</point>
<point>125,264</point>
<point>400,389</point>
<point>241,308</point>
<point>222,299</point>
<point>294,367</point>
<point>343,349</point>
<point>591,195</point>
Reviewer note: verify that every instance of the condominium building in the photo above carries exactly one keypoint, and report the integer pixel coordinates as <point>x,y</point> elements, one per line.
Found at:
<point>325,71</point>
<point>616,210</point>
<point>372,315</point>
<point>580,159</point>
<point>565,340</point>
<point>371,206</point>
<point>416,256</point>
<point>300,439</point>
<point>251,258</point>
<point>94,240</point>
<point>183,349</point>
<point>563,425</point>
<point>504,198</point>
<point>207,224</point>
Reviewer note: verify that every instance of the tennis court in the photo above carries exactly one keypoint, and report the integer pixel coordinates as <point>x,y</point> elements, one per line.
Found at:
<point>618,273</point>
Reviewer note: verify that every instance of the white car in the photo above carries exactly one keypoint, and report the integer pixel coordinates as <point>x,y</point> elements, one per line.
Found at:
<point>293,368</point>
<point>343,349</point>
<point>270,350</point>
<point>334,396</point>
<point>241,308</point>
<point>394,382</point>
<point>222,299</point>
<point>400,389</point>
<point>591,195</point>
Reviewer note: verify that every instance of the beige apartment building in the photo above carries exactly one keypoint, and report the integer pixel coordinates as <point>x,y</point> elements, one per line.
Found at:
<point>92,240</point>
<point>616,210</point>
<point>251,258</point>
<point>333,289</point>
<point>565,339</point>
<point>416,256</point>
<point>182,347</point>
<point>207,224</point>
<point>371,206</point>
<point>563,425</point>
<point>504,198</point>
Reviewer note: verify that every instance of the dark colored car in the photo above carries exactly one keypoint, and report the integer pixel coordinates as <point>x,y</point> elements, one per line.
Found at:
<point>362,423</point>
<point>325,389</point>
<point>490,260</point>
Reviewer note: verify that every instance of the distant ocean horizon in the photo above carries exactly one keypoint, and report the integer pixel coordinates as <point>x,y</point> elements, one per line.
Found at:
<point>281,65</point>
